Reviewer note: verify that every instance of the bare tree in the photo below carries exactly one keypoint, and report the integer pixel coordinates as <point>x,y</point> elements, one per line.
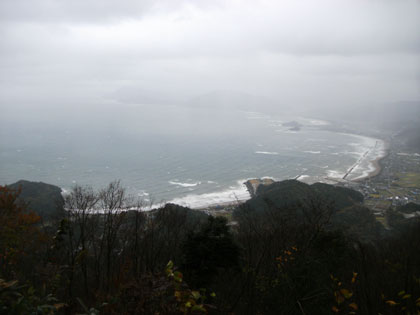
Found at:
<point>80,204</point>
<point>113,204</point>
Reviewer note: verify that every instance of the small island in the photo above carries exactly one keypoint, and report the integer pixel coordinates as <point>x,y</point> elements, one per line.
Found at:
<point>292,125</point>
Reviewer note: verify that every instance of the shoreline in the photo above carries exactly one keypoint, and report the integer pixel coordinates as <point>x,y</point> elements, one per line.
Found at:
<point>375,163</point>
<point>367,166</point>
<point>377,168</point>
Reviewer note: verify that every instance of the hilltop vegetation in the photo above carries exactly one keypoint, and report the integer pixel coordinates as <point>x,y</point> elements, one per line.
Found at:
<point>340,208</point>
<point>44,199</point>
<point>290,192</point>
<point>292,249</point>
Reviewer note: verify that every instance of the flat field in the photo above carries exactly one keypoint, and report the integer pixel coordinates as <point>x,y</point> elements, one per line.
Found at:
<point>407,180</point>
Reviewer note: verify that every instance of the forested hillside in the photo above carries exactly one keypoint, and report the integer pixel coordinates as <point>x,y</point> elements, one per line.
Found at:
<point>292,249</point>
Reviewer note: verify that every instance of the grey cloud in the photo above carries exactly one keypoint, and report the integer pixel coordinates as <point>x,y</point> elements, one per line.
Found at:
<point>87,11</point>
<point>94,51</point>
<point>69,11</point>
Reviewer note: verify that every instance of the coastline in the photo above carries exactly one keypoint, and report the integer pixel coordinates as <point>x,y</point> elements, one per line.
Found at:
<point>370,152</point>
<point>242,194</point>
<point>375,163</point>
<point>374,169</point>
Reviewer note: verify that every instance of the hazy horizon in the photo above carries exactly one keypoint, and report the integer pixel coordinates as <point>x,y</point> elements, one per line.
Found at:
<point>92,91</point>
<point>300,55</point>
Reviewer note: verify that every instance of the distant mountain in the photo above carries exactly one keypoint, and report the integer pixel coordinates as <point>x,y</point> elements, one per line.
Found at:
<point>135,96</point>
<point>44,199</point>
<point>236,100</point>
<point>379,114</point>
<point>410,136</point>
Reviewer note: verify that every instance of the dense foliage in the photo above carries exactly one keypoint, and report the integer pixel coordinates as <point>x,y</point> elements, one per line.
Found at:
<point>293,249</point>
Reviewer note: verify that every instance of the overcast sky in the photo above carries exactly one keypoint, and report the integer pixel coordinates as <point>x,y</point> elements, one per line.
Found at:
<point>299,52</point>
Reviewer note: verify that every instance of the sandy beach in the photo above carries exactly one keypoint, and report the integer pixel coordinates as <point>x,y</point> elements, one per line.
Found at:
<point>367,166</point>
<point>374,167</point>
<point>377,167</point>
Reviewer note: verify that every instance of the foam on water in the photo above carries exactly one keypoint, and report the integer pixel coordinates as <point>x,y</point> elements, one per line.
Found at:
<point>367,165</point>
<point>65,192</point>
<point>266,152</point>
<point>303,177</point>
<point>234,193</point>
<point>313,122</point>
<point>184,184</point>
<point>313,152</point>
<point>335,174</point>
<point>143,193</point>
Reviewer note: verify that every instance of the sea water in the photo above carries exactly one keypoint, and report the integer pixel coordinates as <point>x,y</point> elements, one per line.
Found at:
<point>190,156</point>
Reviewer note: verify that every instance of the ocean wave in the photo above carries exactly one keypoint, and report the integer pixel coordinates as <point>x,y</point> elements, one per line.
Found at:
<point>335,174</point>
<point>266,152</point>
<point>316,140</point>
<point>184,184</point>
<point>313,122</point>
<point>234,193</point>
<point>65,192</point>
<point>356,153</point>
<point>313,152</point>
<point>302,177</point>
<point>142,193</point>
<point>371,149</point>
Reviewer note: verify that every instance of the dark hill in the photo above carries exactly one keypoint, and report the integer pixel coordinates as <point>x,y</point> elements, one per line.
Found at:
<point>292,193</point>
<point>409,208</point>
<point>280,194</point>
<point>357,221</point>
<point>44,199</point>
<point>341,207</point>
<point>341,196</point>
<point>189,216</point>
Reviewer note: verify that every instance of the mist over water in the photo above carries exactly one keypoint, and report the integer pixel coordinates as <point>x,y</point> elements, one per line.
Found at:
<point>192,156</point>
<point>73,73</point>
